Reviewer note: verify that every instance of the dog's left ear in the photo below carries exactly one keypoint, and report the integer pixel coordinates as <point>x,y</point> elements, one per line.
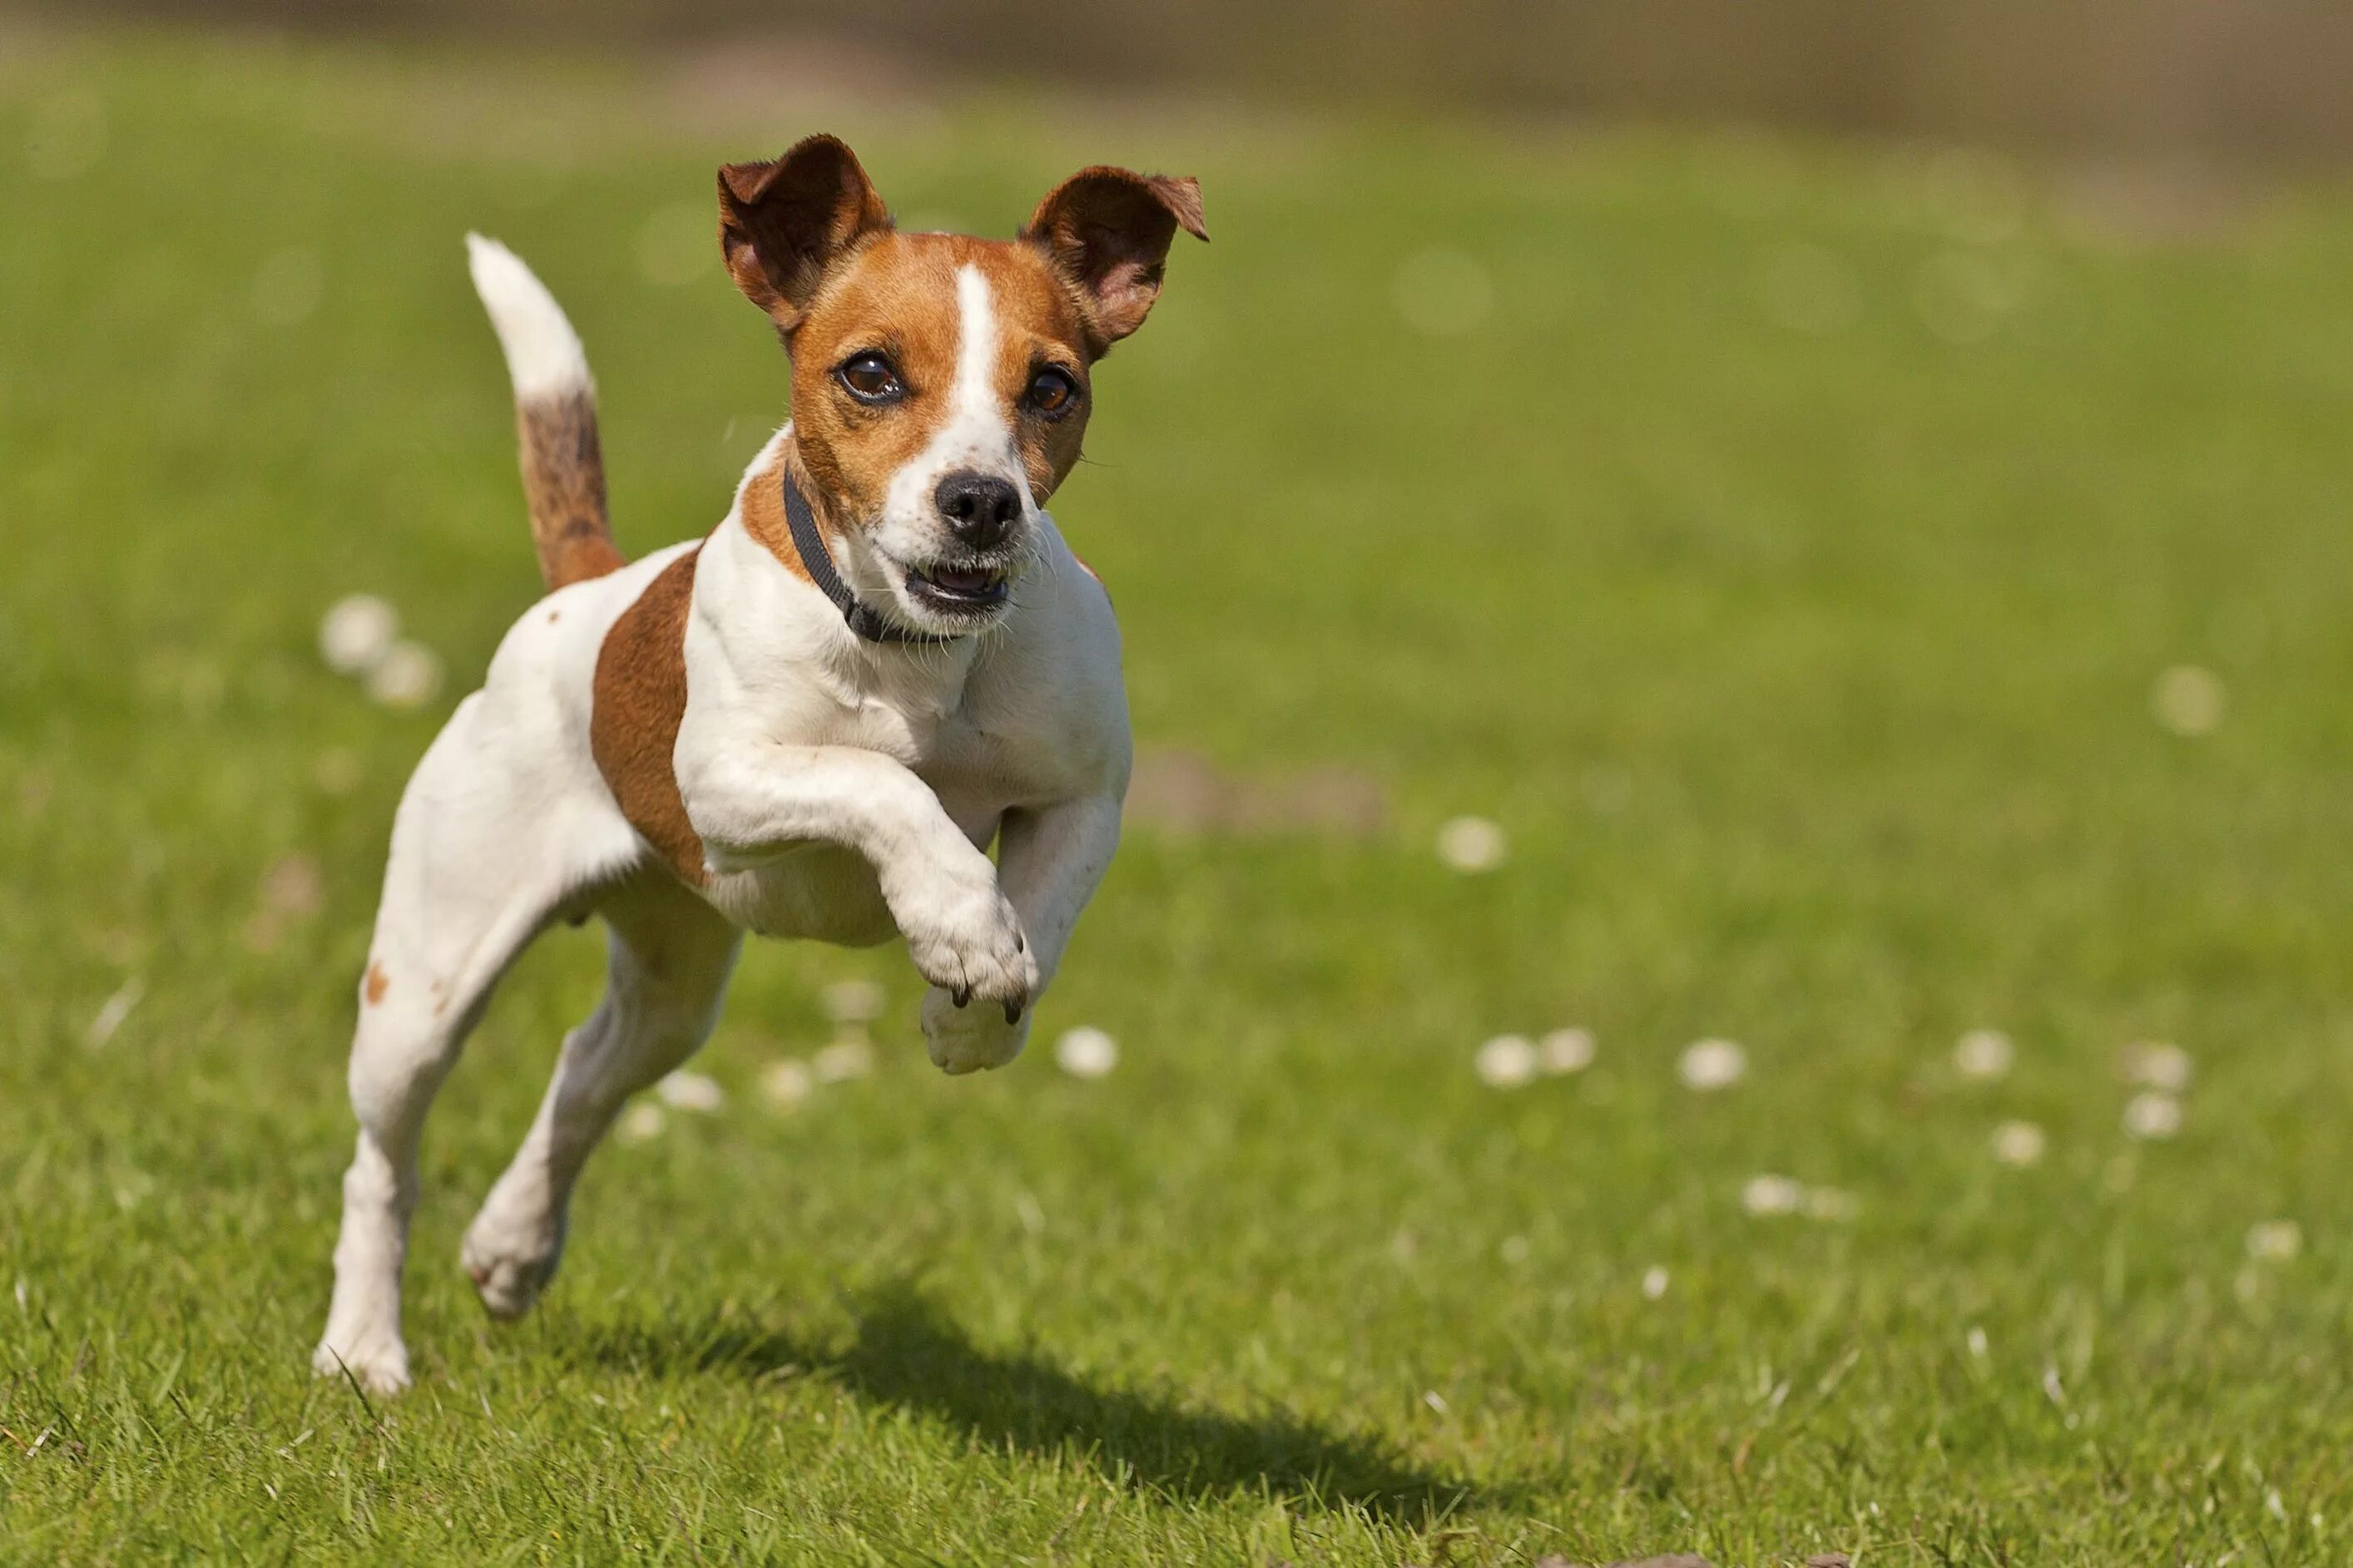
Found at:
<point>782,225</point>
<point>1108,231</point>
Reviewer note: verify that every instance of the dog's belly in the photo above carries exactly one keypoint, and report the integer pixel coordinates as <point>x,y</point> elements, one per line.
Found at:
<point>825,892</point>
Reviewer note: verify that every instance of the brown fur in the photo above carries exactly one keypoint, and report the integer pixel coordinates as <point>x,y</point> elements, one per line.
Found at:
<point>563,484</point>
<point>378,982</point>
<point>763,510</point>
<point>639,699</point>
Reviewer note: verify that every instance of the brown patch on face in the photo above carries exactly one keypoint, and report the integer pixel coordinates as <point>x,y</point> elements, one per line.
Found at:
<point>377,980</point>
<point>639,700</point>
<point>897,296</point>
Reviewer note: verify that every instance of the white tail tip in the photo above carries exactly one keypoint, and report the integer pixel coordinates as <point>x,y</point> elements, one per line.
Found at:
<point>543,353</point>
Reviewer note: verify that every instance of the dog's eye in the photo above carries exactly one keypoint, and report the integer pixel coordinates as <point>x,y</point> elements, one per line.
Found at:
<point>871,379</point>
<point>1052,392</point>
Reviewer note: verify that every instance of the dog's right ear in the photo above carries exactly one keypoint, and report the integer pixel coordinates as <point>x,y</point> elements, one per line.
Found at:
<point>782,225</point>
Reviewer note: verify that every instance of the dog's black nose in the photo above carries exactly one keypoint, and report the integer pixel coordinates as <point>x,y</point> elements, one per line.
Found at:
<point>979,508</point>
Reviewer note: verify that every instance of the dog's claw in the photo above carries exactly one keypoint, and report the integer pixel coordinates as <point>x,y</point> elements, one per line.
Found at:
<point>1021,943</point>
<point>1012,1013</point>
<point>963,996</point>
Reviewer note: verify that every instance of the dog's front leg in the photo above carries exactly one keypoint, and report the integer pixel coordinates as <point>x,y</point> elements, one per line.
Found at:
<point>752,800</point>
<point>1051,860</point>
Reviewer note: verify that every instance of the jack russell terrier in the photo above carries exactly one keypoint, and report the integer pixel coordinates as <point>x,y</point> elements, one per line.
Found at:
<point>811,723</point>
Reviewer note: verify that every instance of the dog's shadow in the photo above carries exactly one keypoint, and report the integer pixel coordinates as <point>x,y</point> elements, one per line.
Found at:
<point>910,1355</point>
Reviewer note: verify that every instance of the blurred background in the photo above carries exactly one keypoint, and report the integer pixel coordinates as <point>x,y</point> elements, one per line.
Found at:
<point>1733,929</point>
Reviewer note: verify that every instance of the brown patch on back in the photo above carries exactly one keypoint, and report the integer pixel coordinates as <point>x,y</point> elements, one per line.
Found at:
<point>563,485</point>
<point>639,700</point>
<point>377,982</point>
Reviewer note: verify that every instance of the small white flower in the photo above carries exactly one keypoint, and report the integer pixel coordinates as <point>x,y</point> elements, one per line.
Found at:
<point>1566,1051</point>
<point>1654,1283</point>
<point>1470,844</point>
<point>406,676</point>
<point>113,1011</point>
<point>2019,1143</point>
<point>1507,1061</point>
<point>1086,1052</point>
<point>691,1091</point>
<point>787,1083</point>
<point>641,1123</point>
<point>1983,1054</point>
<point>2153,1064</point>
<point>1772,1195</point>
<point>853,1001</point>
<point>1713,1065</point>
<point>2274,1241</point>
<point>843,1060</point>
<point>2189,700</point>
<point>2152,1116</point>
<point>356,632</point>
<point>1977,1343</point>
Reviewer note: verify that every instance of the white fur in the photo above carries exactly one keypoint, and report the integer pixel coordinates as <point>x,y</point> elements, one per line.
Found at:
<point>844,791</point>
<point>543,353</point>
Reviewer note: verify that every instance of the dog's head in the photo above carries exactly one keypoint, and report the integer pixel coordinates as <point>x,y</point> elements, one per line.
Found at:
<point>942,384</point>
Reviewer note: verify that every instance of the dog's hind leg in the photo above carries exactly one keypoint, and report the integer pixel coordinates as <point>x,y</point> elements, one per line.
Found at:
<point>476,870</point>
<point>671,956</point>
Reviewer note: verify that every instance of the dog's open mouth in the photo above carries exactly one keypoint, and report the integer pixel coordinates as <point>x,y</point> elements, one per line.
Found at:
<point>958,590</point>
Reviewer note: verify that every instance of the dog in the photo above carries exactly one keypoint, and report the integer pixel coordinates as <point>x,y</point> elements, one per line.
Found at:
<point>811,723</point>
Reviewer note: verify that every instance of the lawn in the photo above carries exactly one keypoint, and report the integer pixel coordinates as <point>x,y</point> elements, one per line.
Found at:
<point>1784,543</point>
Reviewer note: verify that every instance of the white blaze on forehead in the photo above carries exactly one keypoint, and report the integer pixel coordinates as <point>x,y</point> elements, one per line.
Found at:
<point>975,405</point>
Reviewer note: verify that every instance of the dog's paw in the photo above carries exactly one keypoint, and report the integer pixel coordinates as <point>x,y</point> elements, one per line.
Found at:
<point>967,941</point>
<point>975,1036</point>
<point>377,1362</point>
<point>510,1264</point>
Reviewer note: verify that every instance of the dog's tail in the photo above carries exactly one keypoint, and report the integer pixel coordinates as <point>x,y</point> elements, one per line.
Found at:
<point>555,417</point>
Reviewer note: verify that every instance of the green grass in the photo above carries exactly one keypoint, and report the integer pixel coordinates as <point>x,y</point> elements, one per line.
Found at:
<point>1808,671</point>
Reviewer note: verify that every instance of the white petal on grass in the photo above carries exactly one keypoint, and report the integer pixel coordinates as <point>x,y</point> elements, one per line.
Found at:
<point>1507,1061</point>
<point>1086,1052</point>
<point>1565,1051</point>
<point>2152,1116</point>
<point>408,675</point>
<point>1471,844</point>
<point>1977,1343</point>
<point>853,1001</point>
<point>2019,1144</point>
<point>2274,1241</point>
<point>1654,1283</point>
<point>1710,1065</point>
<point>787,1083</point>
<point>641,1123</point>
<point>843,1060</point>
<point>113,1011</point>
<point>1983,1054</point>
<point>2189,700</point>
<point>2159,1066</point>
<point>691,1091</point>
<point>1772,1195</point>
<point>356,632</point>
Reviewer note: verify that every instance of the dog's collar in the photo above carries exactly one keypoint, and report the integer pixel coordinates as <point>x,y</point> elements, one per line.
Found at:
<point>809,545</point>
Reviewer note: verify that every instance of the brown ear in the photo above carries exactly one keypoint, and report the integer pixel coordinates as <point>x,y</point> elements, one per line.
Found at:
<point>781,225</point>
<point>1109,231</point>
